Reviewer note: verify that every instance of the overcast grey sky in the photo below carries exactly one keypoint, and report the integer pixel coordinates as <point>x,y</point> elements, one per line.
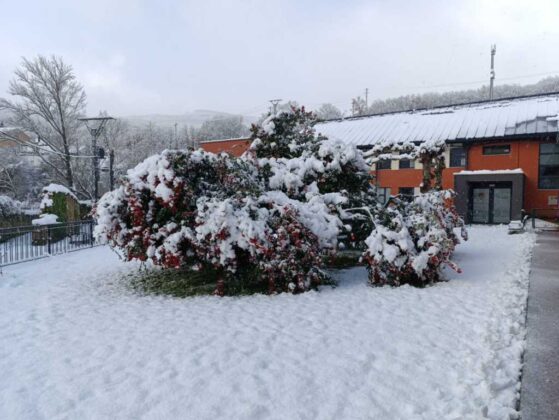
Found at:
<point>170,56</point>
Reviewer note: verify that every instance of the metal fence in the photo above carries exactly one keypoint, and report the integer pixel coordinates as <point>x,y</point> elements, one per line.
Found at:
<point>25,243</point>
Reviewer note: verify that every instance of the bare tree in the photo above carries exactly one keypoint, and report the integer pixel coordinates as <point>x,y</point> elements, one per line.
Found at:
<point>328,112</point>
<point>432,99</point>
<point>222,128</point>
<point>8,172</point>
<point>18,178</point>
<point>47,102</point>
<point>358,106</point>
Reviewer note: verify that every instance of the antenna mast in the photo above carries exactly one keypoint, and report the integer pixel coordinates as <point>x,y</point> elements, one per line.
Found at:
<point>492,72</point>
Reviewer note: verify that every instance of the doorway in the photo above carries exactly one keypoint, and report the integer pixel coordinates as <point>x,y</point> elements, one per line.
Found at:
<point>490,202</point>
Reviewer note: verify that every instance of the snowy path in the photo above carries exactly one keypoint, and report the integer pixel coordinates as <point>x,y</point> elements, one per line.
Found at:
<point>79,346</point>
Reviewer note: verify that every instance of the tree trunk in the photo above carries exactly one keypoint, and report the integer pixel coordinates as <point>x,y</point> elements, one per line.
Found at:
<point>426,161</point>
<point>68,166</point>
<point>220,286</point>
<point>440,165</point>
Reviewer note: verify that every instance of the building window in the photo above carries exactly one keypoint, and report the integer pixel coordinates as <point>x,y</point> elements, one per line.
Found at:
<point>457,157</point>
<point>549,166</point>
<point>383,194</point>
<point>406,164</point>
<point>383,164</point>
<point>406,192</point>
<point>501,149</point>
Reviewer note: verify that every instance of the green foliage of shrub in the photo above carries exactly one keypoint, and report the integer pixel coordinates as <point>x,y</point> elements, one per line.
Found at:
<point>85,211</point>
<point>66,208</point>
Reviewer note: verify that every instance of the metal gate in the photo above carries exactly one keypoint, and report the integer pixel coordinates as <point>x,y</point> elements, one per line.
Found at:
<point>25,243</point>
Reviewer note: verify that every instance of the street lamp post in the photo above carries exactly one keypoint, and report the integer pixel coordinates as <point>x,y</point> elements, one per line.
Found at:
<point>111,169</point>
<point>95,127</point>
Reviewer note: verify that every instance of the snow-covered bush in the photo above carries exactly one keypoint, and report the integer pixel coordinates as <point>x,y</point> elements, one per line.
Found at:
<point>197,210</point>
<point>153,214</point>
<point>281,238</point>
<point>292,158</point>
<point>9,207</point>
<point>411,241</point>
<point>12,213</point>
<point>288,134</point>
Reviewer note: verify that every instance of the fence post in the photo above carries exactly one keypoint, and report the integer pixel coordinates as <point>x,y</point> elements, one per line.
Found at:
<point>533,218</point>
<point>48,239</point>
<point>91,232</point>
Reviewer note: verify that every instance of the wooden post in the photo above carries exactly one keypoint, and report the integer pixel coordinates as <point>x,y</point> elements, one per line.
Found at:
<point>271,285</point>
<point>220,287</point>
<point>48,240</point>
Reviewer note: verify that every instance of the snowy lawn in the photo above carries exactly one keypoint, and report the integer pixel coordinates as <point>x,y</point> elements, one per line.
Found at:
<point>76,344</point>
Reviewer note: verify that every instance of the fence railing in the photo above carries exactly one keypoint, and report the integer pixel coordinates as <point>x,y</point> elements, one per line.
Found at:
<point>25,243</point>
<point>546,218</point>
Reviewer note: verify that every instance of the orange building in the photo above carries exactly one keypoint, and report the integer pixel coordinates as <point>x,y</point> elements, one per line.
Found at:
<point>496,181</point>
<point>502,156</point>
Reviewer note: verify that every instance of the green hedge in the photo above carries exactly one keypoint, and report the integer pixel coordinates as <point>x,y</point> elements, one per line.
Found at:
<point>65,207</point>
<point>15,221</point>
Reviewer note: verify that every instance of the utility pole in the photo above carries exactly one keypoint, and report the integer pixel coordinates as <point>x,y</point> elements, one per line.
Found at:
<point>274,103</point>
<point>111,169</point>
<point>366,98</point>
<point>492,72</point>
<point>95,127</point>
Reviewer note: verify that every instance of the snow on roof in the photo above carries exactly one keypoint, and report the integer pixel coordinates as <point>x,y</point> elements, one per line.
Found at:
<point>489,172</point>
<point>481,120</point>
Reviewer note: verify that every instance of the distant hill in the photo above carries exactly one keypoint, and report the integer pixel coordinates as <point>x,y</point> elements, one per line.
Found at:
<point>193,119</point>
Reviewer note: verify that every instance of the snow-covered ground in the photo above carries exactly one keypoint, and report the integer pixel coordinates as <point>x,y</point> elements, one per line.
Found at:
<point>76,344</point>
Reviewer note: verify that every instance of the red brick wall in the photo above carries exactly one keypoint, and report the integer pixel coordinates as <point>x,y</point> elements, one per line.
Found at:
<point>234,147</point>
<point>525,155</point>
<point>394,179</point>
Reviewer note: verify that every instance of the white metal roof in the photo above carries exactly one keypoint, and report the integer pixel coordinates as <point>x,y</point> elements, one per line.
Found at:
<point>481,120</point>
